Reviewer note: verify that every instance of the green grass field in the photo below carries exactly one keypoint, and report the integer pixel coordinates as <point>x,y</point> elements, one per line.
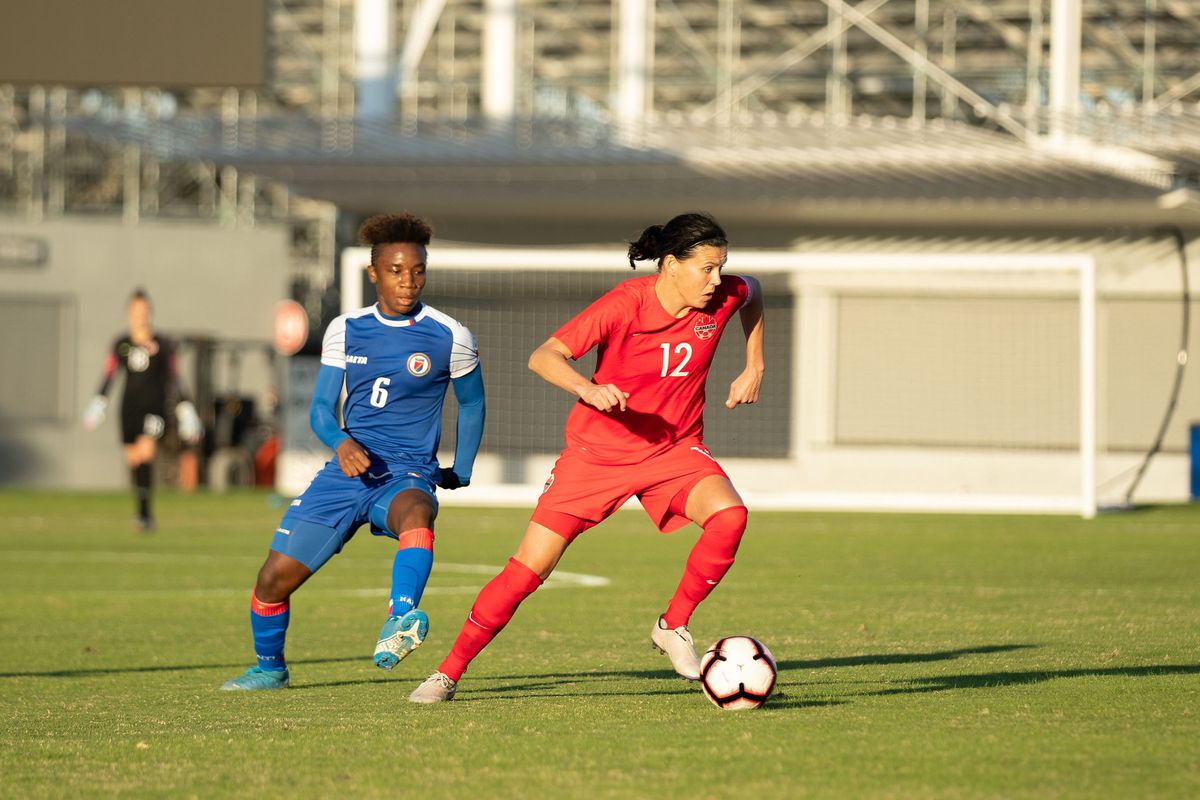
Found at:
<point>920,656</point>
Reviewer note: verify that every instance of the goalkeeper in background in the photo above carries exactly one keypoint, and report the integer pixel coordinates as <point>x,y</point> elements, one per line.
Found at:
<point>151,377</point>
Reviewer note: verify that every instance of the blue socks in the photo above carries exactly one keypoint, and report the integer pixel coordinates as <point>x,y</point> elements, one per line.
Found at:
<point>268,624</point>
<point>410,570</point>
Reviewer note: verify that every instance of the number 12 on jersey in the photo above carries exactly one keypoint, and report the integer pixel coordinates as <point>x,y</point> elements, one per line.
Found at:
<point>682,349</point>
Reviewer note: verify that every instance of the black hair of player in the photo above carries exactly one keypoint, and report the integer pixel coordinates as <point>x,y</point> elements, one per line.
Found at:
<point>679,237</point>
<point>401,228</point>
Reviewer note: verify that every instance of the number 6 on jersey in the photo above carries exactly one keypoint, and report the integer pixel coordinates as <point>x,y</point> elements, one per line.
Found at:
<point>379,393</point>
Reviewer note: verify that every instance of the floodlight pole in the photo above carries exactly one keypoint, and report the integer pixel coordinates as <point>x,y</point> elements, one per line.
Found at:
<point>374,65</point>
<point>1066,36</point>
<point>499,60</point>
<point>634,52</point>
<point>416,38</point>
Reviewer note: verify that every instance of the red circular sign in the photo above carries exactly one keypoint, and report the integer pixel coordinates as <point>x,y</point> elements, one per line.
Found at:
<point>291,327</point>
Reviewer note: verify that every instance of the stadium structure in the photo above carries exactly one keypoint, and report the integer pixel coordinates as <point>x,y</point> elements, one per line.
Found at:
<point>972,218</point>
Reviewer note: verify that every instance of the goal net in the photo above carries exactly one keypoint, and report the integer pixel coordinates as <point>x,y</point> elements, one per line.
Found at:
<point>894,381</point>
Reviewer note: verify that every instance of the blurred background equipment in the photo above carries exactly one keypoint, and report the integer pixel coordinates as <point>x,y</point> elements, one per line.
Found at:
<point>1058,129</point>
<point>290,328</point>
<point>240,421</point>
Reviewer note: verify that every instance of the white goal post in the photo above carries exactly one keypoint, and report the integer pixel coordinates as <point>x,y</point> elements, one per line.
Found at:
<point>896,381</point>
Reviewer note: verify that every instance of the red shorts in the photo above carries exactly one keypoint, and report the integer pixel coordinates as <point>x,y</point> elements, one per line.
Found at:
<point>582,490</point>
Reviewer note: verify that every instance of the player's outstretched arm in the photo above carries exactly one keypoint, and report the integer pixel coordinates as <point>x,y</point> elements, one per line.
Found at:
<point>322,416</point>
<point>97,407</point>
<point>468,391</point>
<point>94,413</point>
<point>745,386</point>
<point>190,426</point>
<point>551,362</point>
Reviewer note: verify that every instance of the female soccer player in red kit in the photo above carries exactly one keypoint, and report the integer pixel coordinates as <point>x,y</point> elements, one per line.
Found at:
<point>637,430</point>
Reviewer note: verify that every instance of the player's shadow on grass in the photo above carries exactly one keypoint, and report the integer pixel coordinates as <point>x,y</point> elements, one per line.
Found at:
<point>793,698</point>
<point>508,687</point>
<point>989,680</point>
<point>660,684</point>
<point>87,672</point>
<point>840,661</point>
<point>526,682</point>
<point>554,690</point>
<point>524,695</point>
<point>575,686</point>
<point>898,658</point>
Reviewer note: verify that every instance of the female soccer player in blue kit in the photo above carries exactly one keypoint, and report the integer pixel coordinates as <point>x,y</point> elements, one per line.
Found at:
<point>395,360</point>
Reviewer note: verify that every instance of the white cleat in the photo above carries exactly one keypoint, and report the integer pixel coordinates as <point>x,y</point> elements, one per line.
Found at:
<point>677,644</point>
<point>434,689</point>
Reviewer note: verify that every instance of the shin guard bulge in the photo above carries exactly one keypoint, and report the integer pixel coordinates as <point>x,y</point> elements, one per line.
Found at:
<point>710,559</point>
<point>493,608</point>
<point>410,570</point>
<point>268,624</point>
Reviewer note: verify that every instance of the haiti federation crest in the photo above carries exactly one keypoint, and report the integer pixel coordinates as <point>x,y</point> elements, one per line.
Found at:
<point>706,326</point>
<point>418,365</point>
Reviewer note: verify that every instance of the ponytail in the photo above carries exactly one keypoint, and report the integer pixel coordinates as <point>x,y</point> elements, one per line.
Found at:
<point>678,238</point>
<point>647,247</point>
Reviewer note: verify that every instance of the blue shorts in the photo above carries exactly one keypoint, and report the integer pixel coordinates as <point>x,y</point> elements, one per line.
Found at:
<point>331,509</point>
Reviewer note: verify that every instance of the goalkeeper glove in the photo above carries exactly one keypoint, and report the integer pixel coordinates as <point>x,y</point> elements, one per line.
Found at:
<point>449,479</point>
<point>190,427</point>
<point>93,415</point>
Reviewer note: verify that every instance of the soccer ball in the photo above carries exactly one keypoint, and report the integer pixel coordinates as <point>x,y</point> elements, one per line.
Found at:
<point>737,672</point>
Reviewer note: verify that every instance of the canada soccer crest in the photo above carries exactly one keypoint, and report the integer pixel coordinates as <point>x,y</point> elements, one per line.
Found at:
<point>418,365</point>
<point>706,326</point>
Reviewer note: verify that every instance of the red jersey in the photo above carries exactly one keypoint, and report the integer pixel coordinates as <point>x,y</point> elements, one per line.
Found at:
<point>660,361</point>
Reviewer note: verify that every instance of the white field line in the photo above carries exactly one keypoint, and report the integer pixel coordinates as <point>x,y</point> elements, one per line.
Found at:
<point>558,580</point>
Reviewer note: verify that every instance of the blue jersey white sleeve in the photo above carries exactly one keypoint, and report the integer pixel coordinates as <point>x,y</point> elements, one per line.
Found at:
<point>396,375</point>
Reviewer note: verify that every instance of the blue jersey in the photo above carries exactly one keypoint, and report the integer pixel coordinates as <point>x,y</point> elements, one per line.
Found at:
<point>397,372</point>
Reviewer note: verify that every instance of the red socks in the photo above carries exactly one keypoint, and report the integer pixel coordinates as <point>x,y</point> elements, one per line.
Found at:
<point>710,559</point>
<point>494,607</point>
<point>708,562</point>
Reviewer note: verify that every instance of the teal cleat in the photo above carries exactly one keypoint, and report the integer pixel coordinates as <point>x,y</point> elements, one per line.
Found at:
<point>399,637</point>
<point>254,679</point>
